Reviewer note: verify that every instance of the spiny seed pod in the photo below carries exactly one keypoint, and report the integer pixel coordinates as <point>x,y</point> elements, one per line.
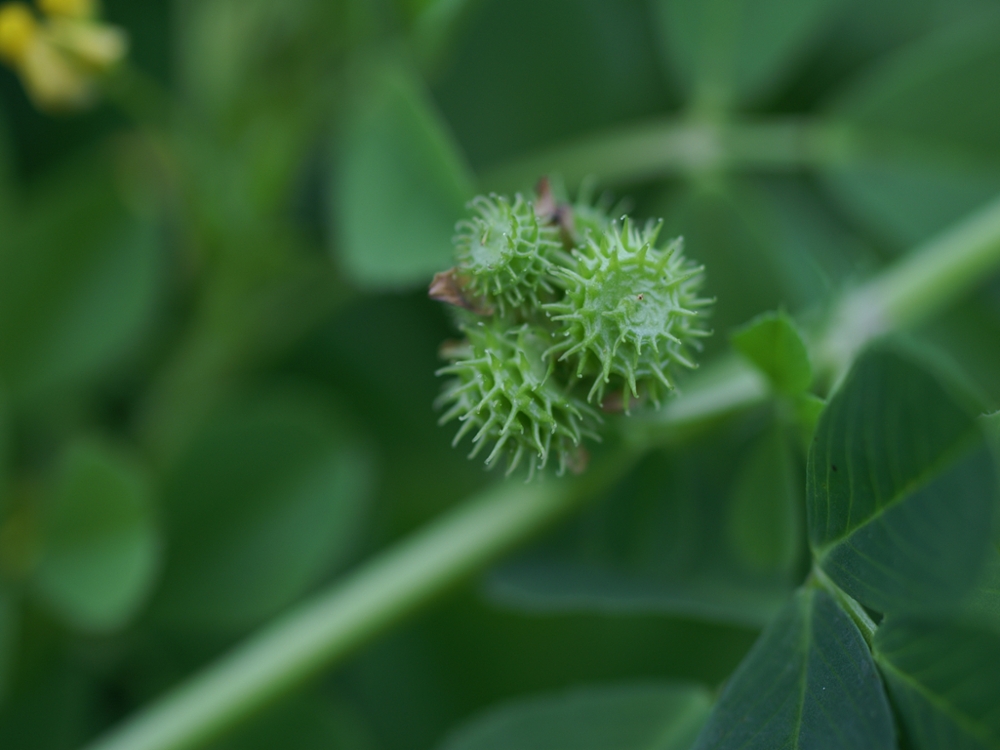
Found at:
<point>630,310</point>
<point>504,390</point>
<point>592,215</point>
<point>505,254</point>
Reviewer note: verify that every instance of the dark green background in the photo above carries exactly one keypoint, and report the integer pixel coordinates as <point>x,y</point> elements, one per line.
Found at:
<point>217,359</point>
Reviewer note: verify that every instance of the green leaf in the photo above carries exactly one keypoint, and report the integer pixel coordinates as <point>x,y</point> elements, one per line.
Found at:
<point>809,682</point>
<point>742,273</point>
<point>54,710</point>
<point>265,500</point>
<point>580,66</point>
<point>763,522</point>
<point>808,409</point>
<point>766,243</point>
<point>736,50</point>
<point>314,721</point>
<point>78,277</point>
<point>5,454</point>
<point>400,185</point>
<point>814,252</point>
<point>991,424</point>
<point>774,344</point>
<point>6,173</point>
<point>922,125</point>
<point>900,486</point>
<point>99,540</point>
<point>659,542</point>
<point>628,717</point>
<point>435,27</point>
<point>8,639</point>
<point>982,604</point>
<point>943,678</point>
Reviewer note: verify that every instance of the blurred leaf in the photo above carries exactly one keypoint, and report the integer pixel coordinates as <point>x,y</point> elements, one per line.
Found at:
<point>943,678</point>
<point>657,543</point>
<point>54,710</point>
<point>264,501</point>
<point>313,721</point>
<point>765,243</point>
<point>763,521</point>
<point>400,184</point>
<point>524,75</point>
<point>774,344</point>
<point>741,272</point>
<point>8,639</point>
<point>6,174</point>
<point>808,410</point>
<point>239,58</point>
<point>808,682</point>
<point>78,278</point>
<point>435,27</point>
<point>812,251</point>
<point>901,488</point>
<point>99,539</point>
<point>736,50</point>
<point>627,717</point>
<point>983,602</point>
<point>928,151</point>
<point>5,455</point>
<point>382,350</point>
<point>970,333</point>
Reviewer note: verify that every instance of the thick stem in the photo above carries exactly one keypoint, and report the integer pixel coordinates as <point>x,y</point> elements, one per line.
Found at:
<point>924,282</point>
<point>393,585</point>
<point>680,146</point>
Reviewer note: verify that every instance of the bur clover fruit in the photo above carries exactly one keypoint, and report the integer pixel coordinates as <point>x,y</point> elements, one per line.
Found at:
<point>560,317</point>
<point>506,254</point>
<point>629,310</point>
<point>503,392</point>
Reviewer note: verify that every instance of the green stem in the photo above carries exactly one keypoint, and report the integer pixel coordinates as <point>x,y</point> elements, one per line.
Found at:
<point>923,283</point>
<point>681,146</point>
<point>729,384</point>
<point>313,635</point>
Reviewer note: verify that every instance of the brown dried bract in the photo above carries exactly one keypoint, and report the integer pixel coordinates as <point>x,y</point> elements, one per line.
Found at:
<point>551,212</point>
<point>617,402</point>
<point>577,460</point>
<point>446,286</point>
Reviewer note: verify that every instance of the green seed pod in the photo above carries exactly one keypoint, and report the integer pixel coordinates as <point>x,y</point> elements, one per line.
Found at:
<point>504,390</point>
<point>630,310</point>
<point>505,254</point>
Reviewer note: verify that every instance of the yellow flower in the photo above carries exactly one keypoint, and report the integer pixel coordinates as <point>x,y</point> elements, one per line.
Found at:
<point>59,57</point>
<point>95,45</point>
<point>18,29</point>
<point>69,8</point>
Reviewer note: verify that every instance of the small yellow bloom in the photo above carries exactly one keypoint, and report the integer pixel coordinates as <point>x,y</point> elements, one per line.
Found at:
<point>59,57</point>
<point>18,29</point>
<point>69,8</point>
<point>97,46</point>
<point>52,81</point>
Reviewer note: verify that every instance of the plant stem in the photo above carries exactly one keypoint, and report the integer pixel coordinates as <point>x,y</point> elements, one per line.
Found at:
<point>727,385</point>
<point>924,282</point>
<point>387,589</point>
<point>680,146</point>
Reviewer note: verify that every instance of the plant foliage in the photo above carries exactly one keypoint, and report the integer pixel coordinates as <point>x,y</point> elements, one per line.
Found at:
<point>222,478</point>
